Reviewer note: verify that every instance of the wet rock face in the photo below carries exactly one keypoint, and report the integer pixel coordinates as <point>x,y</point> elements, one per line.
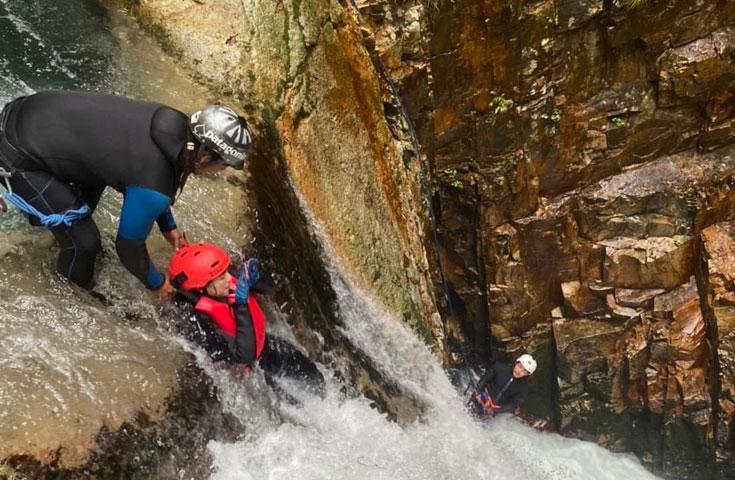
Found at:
<point>169,444</point>
<point>322,139</point>
<point>719,255</point>
<point>567,142</point>
<point>303,68</point>
<point>625,288</point>
<point>575,158</point>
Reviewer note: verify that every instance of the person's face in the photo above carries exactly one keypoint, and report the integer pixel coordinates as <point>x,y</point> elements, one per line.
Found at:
<point>519,371</point>
<point>220,286</point>
<point>209,163</point>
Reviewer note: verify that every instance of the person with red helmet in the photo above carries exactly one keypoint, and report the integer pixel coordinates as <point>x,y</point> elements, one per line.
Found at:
<point>228,319</point>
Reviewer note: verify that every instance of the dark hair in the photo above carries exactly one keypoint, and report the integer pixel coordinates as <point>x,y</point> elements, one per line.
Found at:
<point>186,162</point>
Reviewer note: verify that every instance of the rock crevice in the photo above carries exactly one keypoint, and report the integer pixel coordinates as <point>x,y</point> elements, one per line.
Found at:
<point>573,161</point>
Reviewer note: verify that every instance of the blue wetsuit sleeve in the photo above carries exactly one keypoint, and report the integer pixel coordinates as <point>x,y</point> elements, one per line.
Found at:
<point>141,207</point>
<point>166,221</point>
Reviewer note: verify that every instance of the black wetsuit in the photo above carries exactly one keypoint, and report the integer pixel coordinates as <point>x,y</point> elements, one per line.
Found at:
<point>506,393</point>
<point>69,146</point>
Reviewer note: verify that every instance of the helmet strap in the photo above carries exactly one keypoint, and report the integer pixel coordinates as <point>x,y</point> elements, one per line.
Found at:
<point>179,280</point>
<point>198,155</point>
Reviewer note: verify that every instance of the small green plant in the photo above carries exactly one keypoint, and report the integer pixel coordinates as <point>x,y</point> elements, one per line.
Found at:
<point>554,116</point>
<point>454,181</point>
<point>617,122</point>
<point>508,164</point>
<point>499,103</point>
<point>635,3</point>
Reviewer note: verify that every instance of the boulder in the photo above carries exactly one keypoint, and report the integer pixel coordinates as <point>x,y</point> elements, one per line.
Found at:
<point>588,366</point>
<point>719,252</point>
<point>697,70</point>
<point>648,263</point>
<point>679,373</point>
<point>579,299</point>
<point>630,297</point>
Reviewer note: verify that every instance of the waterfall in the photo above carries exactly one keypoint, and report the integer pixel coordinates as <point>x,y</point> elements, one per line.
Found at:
<point>343,436</point>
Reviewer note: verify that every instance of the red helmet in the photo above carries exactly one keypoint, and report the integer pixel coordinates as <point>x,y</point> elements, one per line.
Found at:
<point>194,266</point>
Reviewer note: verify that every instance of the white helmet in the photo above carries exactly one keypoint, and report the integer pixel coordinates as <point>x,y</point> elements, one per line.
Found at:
<point>527,362</point>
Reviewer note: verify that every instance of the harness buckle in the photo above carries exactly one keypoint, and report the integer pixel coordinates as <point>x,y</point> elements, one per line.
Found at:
<point>6,176</point>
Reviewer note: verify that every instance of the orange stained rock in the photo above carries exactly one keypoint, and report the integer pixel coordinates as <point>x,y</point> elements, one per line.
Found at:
<point>445,119</point>
<point>719,243</point>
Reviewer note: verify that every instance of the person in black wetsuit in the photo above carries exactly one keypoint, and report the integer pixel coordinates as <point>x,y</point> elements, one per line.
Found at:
<point>226,318</point>
<point>63,149</point>
<point>503,387</point>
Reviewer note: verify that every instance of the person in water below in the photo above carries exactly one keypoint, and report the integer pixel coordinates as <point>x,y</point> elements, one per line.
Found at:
<point>60,150</point>
<point>503,387</point>
<point>228,321</point>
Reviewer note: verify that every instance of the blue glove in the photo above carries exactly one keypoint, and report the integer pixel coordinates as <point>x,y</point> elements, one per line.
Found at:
<point>249,276</point>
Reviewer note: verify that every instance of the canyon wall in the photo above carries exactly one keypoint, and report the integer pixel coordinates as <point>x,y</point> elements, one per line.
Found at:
<point>553,176</point>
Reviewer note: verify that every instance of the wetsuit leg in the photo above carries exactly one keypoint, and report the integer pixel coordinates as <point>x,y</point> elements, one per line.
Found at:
<point>280,358</point>
<point>91,196</point>
<point>80,242</point>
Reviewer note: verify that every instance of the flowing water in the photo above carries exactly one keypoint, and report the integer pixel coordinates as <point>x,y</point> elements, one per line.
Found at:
<point>68,363</point>
<point>343,436</point>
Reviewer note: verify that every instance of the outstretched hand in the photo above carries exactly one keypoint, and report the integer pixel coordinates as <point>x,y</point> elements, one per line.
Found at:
<point>177,238</point>
<point>166,291</point>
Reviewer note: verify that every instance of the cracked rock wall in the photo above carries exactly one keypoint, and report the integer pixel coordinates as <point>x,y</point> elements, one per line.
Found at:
<point>575,156</point>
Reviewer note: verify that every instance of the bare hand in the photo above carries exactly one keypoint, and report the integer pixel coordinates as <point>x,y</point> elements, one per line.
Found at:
<point>166,291</point>
<point>177,238</point>
<point>3,206</point>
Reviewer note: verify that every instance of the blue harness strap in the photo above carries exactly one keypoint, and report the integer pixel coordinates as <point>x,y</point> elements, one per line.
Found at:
<point>49,221</point>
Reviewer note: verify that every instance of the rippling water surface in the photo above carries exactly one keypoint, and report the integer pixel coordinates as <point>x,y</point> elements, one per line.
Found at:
<point>67,361</point>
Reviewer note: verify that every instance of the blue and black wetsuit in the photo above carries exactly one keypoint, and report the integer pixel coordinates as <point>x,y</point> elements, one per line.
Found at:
<point>506,390</point>
<point>72,145</point>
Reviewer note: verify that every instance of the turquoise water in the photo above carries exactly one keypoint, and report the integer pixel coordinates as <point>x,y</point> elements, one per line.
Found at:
<point>64,44</point>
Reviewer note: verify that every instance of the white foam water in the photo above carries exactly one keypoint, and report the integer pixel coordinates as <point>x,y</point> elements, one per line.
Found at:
<point>340,436</point>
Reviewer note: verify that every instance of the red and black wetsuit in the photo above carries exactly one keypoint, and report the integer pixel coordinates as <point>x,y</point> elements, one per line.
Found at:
<point>67,147</point>
<point>235,333</point>
<point>228,330</point>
